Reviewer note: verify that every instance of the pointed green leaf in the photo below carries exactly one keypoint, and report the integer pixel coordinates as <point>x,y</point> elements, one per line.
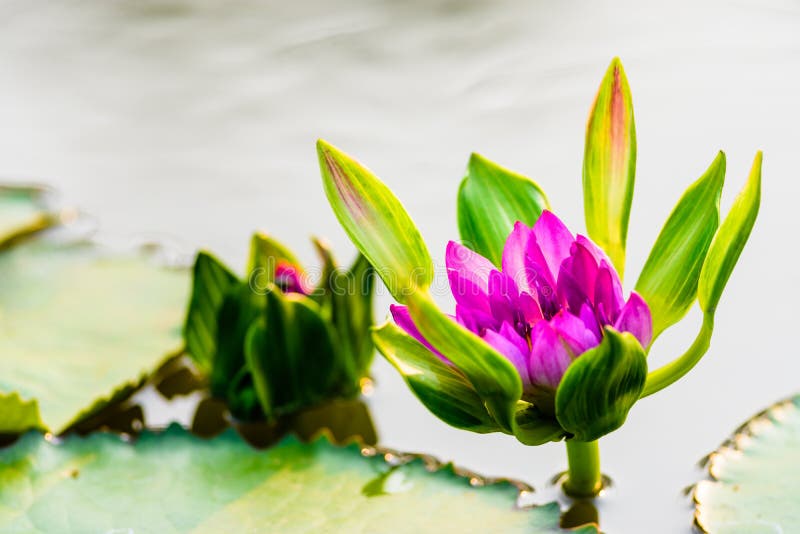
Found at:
<point>211,281</point>
<point>490,200</point>
<point>494,378</point>
<point>376,222</point>
<point>442,388</point>
<point>601,386</point>
<point>291,355</point>
<point>730,240</point>
<point>265,255</point>
<point>532,427</point>
<point>176,483</point>
<point>351,316</point>
<point>240,307</point>
<point>669,278</point>
<point>609,165</point>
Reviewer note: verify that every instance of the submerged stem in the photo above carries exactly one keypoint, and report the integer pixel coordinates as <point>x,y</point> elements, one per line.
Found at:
<point>583,475</point>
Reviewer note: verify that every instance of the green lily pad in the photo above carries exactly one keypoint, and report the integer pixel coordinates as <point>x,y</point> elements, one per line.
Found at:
<point>23,211</point>
<point>80,327</point>
<point>174,482</point>
<point>755,477</point>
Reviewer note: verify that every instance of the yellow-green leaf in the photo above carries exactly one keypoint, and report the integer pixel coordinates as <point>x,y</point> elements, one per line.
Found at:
<point>376,222</point>
<point>669,278</point>
<point>609,165</point>
<point>730,240</point>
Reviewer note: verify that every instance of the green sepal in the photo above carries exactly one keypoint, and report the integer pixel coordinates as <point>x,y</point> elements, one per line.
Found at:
<point>442,388</point>
<point>240,307</point>
<point>730,240</point>
<point>490,200</point>
<point>211,281</point>
<point>600,386</point>
<point>669,278</point>
<point>492,376</point>
<point>291,356</point>
<point>376,222</point>
<point>265,255</point>
<point>532,427</point>
<point>242,398</point>
<point>609,165</point>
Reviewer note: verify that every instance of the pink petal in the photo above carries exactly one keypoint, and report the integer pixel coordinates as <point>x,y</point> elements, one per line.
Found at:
<point>503,297</point>
<point>468,273</point>
<point>475,320</point>
<point>608,292</point>
<point>553,239</point>
<point>635,318</point>
<point>574,332</point>
<point>514,251</point>
<point>576,278</point>
<point>597,252</point>
<point>510,349</point>
<point>403,319</point>
<point>549,356</point>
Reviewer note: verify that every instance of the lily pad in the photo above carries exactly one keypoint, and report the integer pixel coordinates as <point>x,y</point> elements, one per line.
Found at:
<point>174,482</point>
<point>755,477</point>
<point>80,326</point>
<point>23,211</point>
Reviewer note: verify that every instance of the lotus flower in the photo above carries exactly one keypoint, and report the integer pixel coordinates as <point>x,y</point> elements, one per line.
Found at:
<point>548,304</point>
<point>543,344</point>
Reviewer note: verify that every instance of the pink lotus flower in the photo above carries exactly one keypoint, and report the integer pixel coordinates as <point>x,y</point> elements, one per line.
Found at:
<point>548,305</point>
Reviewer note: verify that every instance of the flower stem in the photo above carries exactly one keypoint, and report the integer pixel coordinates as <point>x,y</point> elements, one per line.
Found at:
<point>583,475</point>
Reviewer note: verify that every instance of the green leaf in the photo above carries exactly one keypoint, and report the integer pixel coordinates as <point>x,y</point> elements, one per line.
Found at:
<point>754,483</point>
<point>291,355</point>
<point>609,165</point>
<point>730,240</point>
<point>490,200</point>
<point>80,322</point>
<point>669,278</point>
<point>376,222</point>
<point>173,483</point>
<point>240,307</point>
<point>532,427</point>
<point>211,281</point>
<point>23,211</point>
<point>601,386</point>
<point>494,378</point>
<point>442,388</point>
<point>352,317</point>
<point>265,255</point>
<point>18,415</point>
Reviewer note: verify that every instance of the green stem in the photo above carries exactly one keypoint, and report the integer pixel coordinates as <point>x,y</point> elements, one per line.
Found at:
<point>583,475</point>
<point>676,369</point>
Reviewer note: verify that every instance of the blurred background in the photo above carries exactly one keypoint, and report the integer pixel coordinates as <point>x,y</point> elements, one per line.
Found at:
<point>194,122</point>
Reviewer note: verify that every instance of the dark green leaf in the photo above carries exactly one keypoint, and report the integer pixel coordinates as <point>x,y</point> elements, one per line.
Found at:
<point>532,427</point>
<point>442,388</point>
<point>494,378</point>
<point>670,276</point>
<point>240,307</point>
<point>490,200</point>
<point>601,386</point>
<point>291,355</point>
<point>211,281</point>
